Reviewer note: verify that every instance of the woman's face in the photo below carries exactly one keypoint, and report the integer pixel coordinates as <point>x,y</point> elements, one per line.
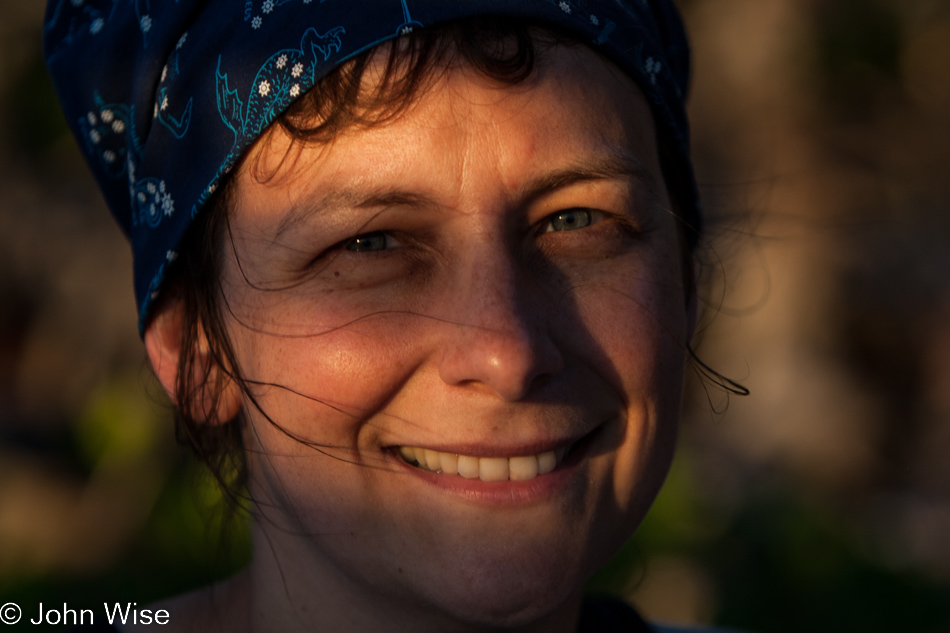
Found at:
<point>490,283</point>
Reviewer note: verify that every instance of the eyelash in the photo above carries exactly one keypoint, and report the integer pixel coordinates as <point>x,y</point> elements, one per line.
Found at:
<point>353,244</point>
<point>588,217</point>
<point>584,217</point>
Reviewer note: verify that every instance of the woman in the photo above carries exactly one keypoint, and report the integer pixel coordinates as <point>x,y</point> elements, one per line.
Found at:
<point>418,280</point>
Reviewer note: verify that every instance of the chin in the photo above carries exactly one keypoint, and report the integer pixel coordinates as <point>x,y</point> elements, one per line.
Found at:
<point>509,603</point>
<point>492,589</point>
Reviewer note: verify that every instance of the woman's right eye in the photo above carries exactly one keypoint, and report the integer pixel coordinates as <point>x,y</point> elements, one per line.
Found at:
<point>369,242</point>
<point>569,220</point>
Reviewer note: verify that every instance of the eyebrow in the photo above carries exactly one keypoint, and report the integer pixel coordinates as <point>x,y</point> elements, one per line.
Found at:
<point>351,198</point>
<point>617,165</point>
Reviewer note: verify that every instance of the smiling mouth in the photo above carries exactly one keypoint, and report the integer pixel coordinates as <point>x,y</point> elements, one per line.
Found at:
<point>519,468</point>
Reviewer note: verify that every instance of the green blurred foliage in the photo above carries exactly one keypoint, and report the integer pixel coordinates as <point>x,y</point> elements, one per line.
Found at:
<point>779,564</point>
<point>115,426</point>
<point>780,561</point>
<point>30,100</point>
<point>787,565</point>
<point>190,539</point>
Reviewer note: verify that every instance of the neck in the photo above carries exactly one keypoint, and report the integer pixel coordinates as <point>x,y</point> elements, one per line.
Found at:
<point>289,588</point>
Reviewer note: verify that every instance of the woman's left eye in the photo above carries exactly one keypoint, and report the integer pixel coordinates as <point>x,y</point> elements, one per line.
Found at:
<point>568,220</point>
<point>368,242</point>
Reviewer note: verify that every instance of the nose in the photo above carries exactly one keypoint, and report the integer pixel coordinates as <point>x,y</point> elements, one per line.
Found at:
<point>499,334</point>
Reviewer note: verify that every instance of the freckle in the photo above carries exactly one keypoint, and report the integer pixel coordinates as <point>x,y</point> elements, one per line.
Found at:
<point>399,569</point>
<point>336,273</point>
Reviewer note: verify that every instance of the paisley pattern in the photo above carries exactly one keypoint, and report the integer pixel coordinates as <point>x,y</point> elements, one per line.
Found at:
<point>164,96</point>
<point>68,19</point>
<point>279,81</point>
<point>163,107</point>
<point>108,134</point>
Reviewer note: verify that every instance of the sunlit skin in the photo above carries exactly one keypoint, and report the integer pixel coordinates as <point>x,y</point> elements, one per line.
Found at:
<point>496,272</point>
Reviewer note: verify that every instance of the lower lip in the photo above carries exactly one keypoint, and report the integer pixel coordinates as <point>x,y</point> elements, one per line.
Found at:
<point>508,493</point>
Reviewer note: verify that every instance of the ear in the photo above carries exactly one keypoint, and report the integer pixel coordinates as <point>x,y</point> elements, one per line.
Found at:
<point>164,338</point>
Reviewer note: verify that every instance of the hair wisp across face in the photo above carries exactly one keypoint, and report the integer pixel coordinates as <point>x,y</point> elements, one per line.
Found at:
<point>367,92</point>
<point>492,276</point>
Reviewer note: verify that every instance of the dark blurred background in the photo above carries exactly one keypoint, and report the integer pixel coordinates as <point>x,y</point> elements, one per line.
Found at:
<point>821,502</point>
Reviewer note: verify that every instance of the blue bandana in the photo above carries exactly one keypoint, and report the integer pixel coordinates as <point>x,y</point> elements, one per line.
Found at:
<point>164,96</point>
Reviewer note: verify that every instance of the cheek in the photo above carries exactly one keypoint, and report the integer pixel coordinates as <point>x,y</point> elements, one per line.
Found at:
<point>636,314</point>
<point>323,388</point>
<point>638,321</point>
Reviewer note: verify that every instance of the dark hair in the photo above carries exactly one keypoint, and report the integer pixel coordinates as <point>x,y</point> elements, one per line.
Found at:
<point>503,50</point>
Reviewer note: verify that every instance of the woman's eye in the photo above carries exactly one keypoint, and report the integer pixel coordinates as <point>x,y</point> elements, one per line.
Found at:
<point>378,241</point>
<point>568,220</point>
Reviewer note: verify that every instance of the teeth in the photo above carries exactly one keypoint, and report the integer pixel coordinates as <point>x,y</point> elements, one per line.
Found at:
<point>523,468</point>
<point>433,460</point>
<point>450,463</point>
<point>547,462</point>
<point>468,467</point>
<point>420,457</point>
<point>493,469</point>
<point>520,468</point>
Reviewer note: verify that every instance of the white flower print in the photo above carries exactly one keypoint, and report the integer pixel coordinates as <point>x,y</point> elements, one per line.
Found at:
<point>594,20</point>
<point>181,40</point>
<point>212,188</point>
<point>256,22</point>
<point>164,103</point>
<point>151,188</point>
<point>295,90</point>
<point>264,88</point>
<point>565,7</point>
<point>141,197</point>
<point>76,3</point>
<point>297,70</point>
<point>306,1</point>
<point>406,30</point>
<point>652,67</point>
<point>168,205</point>
<point>268,6</point>
<point>109,156</point>
<point>107,116</point>
<point>164,73</point>
<point>95,137</point>
<point>118,126</point>
<point>96,25</point>
<point>155,111</point>
<point>171,256</point>
<point>281,61</point>
<point>91,117</point>
<point>146,23</point>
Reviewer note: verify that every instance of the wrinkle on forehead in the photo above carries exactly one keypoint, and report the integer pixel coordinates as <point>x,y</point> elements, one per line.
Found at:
<point>474,110</point>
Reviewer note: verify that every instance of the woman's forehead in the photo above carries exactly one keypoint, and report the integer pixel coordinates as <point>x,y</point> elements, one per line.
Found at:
<point>160,125</point>
<point>577,114</point>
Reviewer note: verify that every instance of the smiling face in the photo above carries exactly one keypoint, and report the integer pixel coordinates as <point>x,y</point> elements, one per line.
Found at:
<point>465,334</point>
